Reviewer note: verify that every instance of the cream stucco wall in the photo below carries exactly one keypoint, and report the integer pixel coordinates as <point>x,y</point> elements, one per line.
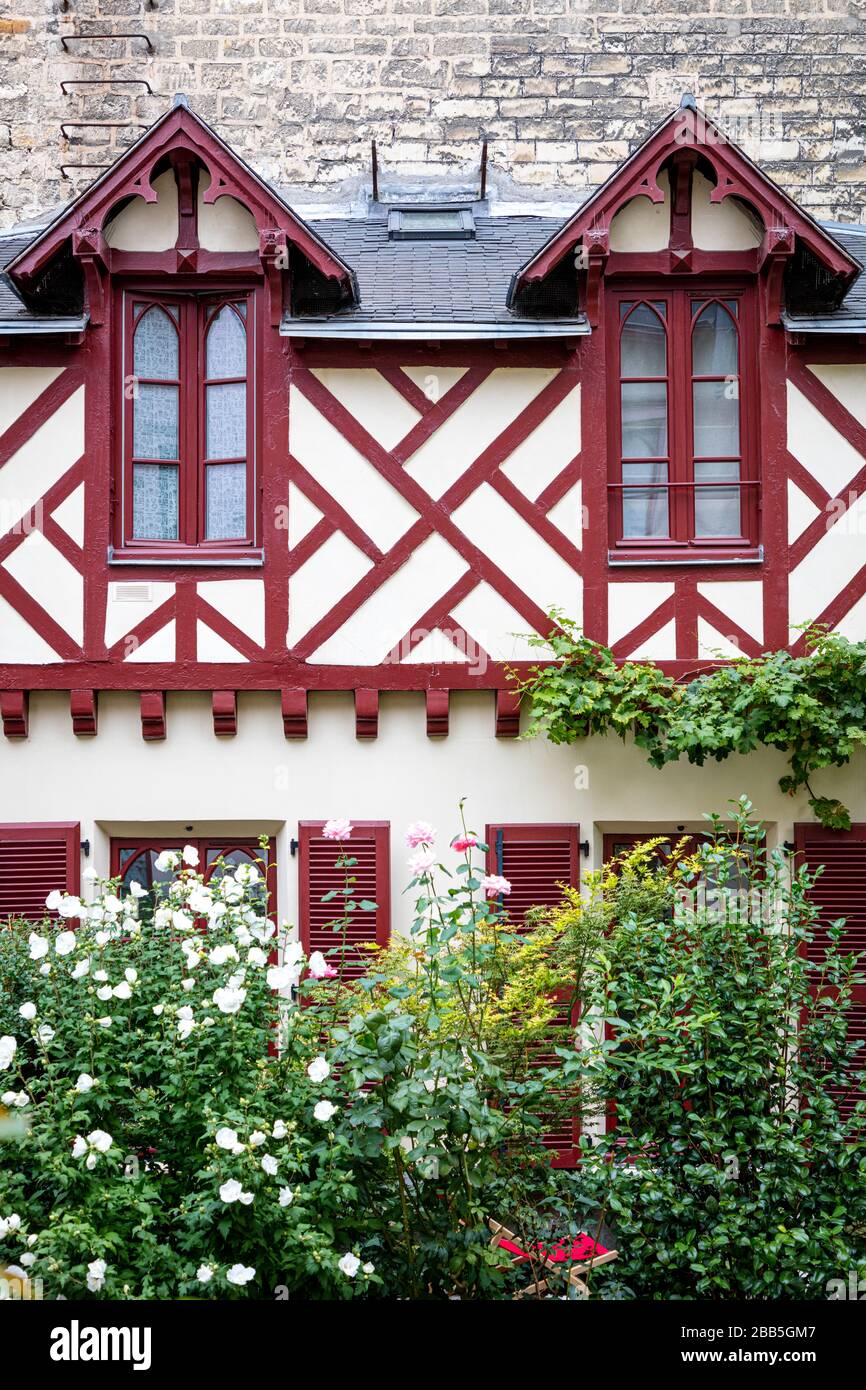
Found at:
<point>257,781</point>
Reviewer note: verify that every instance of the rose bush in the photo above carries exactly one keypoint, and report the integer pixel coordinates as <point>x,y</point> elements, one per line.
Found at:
<point>191,1132</point>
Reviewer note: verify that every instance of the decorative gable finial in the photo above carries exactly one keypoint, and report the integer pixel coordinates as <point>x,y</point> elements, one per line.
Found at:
<point>687,102</point>
<point>180,99</point>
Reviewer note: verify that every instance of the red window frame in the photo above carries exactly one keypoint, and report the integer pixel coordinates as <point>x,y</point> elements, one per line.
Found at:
<point>681,544</point>
<point>224,844</point>
<point>195,309</point>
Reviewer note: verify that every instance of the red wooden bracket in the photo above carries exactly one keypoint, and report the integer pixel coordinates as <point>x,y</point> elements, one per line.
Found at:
<point>366,713</point>
<point>152,715</point>
<point>507,714</point>
<point>89,248</point>
<point>437,713</point>
<point>294,704</point>
<point>274,252</point>
<point>225,712</point>
<point>82,707</point>
<point>14,711</point>
<point>778,248</point>
<point>187,260</point>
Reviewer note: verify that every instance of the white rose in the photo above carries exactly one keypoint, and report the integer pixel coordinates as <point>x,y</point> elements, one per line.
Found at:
<point>318,1070</point>
<point>226,1138</point>
<point>231,1190</point>
<point>157,1009</point>
<point>54,899</point>
<point>256,956</point>
<point>240,1274</point>
<point>99,1139</point>
<point>81,968</point>
<point>204,1274</point>
<point>190,856</point>
<point>131,975</point>
<point>122,991</point>
<point>279,1130</point>
<point>84,1083</point>
<point>324,1111</point>
<point>229,1001</point>
<point>70,907</point>
<point>257,1138</point>
<point>270,1165</point>
<point>79,1146</point>
<point>137,890</point>
<point>349,1264</point>
<point>28,1259</point>
<point>168,859</point>
<point>38,946</point>
<point>64,944</point>
<point>287,1196</point>
<point>96,1271</point>
<point>8,1048</point>
<point>28,1011</point>
<point>104,993</point>
<point>281,976</point>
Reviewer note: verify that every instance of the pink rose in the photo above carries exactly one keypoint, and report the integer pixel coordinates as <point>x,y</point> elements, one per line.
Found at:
<point>338,829</point>
<point>495,885</point>
<point>421,864</point>
<point>420,833</point>
<point>467,842</point>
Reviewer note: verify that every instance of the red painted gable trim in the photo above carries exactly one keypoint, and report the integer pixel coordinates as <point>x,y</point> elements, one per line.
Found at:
<point>736,176</point>
<point>178,131</point>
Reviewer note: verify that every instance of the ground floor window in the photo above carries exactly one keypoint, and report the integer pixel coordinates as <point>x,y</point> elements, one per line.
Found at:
<point>135,861</point>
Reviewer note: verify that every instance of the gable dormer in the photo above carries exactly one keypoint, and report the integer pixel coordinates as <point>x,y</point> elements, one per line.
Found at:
<point>687,203</point>
<point>180,203</point>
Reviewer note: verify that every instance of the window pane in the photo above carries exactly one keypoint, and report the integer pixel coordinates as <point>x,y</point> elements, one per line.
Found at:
<point>215,870</point>
<point>156,351</point>
<point>645,419</point>
<point>226,502</point>
<point>226,421</point>
<point>717,509</point>
<point>644,509</point>
<point>141,869</point>
<point>226,345</point>
<point>154,430</point>
<point>643,346</point>
<point>154,502</point>
<point>714,343</point>
<point>717,418</point>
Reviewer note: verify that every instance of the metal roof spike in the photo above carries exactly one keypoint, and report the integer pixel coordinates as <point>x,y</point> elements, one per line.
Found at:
<point>180,99</point>
<point>687,102</point>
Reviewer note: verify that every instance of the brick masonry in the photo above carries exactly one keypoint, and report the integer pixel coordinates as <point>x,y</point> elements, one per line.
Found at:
<point>562,89</point>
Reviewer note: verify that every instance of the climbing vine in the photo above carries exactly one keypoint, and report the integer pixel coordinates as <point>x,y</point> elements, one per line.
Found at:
<point>811,707</point>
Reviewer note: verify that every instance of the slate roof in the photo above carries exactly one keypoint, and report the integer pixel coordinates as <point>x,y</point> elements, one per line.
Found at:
<point>15,315</point>
<point>406,287</point>
<point>850,317</point>
<point>414,288</point>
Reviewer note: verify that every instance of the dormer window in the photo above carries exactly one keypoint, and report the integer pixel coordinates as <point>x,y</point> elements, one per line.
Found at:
<point>188,425</point>
<point>431,224</point>
<point>684,454</point>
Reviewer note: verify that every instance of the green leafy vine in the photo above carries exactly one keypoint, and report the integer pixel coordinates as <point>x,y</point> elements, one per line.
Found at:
<point>811,707</point>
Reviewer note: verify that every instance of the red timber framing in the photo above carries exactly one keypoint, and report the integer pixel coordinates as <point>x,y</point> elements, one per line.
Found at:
<point>265,662</point>
<point>34,861</point>
<point>840,891</point>
<point>318,875</point>
<point>537,859</point>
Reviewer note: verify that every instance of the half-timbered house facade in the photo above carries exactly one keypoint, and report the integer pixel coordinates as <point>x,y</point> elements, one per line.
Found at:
<point>280,502</point>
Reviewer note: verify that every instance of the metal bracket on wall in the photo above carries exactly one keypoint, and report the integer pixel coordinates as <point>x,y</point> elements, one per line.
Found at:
<point>106,82</point>
<point>67,39</point>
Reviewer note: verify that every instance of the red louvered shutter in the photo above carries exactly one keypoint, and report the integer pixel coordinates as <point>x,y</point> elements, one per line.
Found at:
<point>840,891</point>
<point>370,846</point>
<point>34,860</point>
<point>536,859</point>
